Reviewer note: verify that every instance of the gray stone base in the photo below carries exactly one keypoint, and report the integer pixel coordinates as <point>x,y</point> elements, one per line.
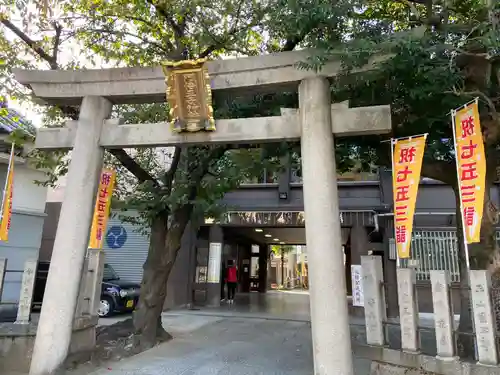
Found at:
<point>17,341</point>
<point>378,368</point>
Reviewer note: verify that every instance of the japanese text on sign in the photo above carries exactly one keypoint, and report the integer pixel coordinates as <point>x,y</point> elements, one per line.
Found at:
<point>406,166</point>
<point>471,168</point>
<point>358,298</point>
<point>102,207</point>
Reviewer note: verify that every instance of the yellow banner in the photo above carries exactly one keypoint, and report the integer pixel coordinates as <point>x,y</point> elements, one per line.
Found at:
<point>102,207</point>
<point>7,201</point>
<point>406,166</point>
<point>471,168</point>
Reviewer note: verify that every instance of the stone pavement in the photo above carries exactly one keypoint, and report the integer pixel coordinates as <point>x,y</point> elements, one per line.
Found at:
<point>232,346</point>
<point>259,335</point>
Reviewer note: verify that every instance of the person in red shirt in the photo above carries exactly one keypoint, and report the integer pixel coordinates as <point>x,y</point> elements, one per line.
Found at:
<point>231,280</point>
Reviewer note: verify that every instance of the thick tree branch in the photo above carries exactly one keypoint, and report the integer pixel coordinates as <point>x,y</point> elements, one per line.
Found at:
<point>132,166</point>
<point>167,50</point>
<point>169,176</point>
<point>57,41</point>
<point>31,43</point>
<point>127,161</point>
<point>178,30</point>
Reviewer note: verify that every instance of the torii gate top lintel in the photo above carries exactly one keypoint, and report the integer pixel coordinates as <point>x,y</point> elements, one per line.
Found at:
<point>265,73</point>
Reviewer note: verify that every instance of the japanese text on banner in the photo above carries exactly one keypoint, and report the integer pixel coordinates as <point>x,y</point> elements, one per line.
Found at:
<point>102,207</point>
<point>471,165</point>
<point>406,166</point>
<point>7,201</point>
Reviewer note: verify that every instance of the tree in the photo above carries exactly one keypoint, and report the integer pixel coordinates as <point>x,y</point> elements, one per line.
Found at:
<point>145,33</point>
<point>439,55</point>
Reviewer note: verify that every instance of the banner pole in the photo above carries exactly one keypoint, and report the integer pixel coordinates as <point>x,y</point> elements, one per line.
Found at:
<point>407,137</point>
<point>464,232</point>
<point>6,181</point>
<point>393,142</point>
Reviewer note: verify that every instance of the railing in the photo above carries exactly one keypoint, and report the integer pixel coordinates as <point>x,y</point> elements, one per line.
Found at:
<point>432,250</point>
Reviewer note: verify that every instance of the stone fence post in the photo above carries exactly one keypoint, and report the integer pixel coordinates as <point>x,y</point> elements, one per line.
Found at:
<point>374,299</point>
<point>484,319</point>
<point>443,317</point>
<point>27,289</point>
<point>408,309</point>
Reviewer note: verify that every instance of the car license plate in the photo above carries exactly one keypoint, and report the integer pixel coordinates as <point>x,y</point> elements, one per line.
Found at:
<point>129,304</point>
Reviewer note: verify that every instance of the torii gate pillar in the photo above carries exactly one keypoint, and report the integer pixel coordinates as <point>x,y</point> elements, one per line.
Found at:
<point>56,319</point>
<point>329,316</point>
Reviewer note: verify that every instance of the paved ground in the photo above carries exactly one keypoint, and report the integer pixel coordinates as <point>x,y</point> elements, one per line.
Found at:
<point>232,346</point>
<point>259,335</point>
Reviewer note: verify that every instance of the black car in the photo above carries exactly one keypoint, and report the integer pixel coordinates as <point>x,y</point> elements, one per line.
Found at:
<point>116,295</point>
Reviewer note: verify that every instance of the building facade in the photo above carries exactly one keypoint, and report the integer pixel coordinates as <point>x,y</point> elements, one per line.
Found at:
<point>28,211</point>
<point>270,211</point>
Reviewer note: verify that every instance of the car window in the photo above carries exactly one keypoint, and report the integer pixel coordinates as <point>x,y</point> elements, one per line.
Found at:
<point>109,273</point>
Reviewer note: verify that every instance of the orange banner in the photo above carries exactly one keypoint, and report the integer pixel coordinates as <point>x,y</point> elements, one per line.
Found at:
<point>102,207</point>
<point>7,200</point>
<point>471,168</point>
<point>406,166</point>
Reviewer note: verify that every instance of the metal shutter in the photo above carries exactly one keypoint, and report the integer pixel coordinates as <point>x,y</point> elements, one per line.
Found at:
<point>126,254</point>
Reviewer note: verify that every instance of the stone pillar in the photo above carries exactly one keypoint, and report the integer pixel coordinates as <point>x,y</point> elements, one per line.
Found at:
<point>443,319</point>
<point>216,242</point>
<point>374,299</point>
<point>329,318</point>
<point>70,245</point>
<point>408,310</point>
<point>484,319</point>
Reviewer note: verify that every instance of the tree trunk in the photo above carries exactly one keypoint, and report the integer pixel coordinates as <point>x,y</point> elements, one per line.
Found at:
<point>164,246</point>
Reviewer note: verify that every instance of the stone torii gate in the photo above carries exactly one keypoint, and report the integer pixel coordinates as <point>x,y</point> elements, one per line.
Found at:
<point>314,123</point>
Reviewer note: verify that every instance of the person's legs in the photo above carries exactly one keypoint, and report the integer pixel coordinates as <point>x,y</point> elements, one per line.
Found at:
<point>231,291</point>
<point>222,294</point>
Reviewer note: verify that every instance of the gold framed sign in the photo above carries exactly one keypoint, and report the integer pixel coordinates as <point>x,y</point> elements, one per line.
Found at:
<point>189,95</point>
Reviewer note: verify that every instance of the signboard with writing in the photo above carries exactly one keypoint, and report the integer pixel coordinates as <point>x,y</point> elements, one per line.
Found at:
<point>358,298</point>
<point>214,262</point>
<point>406,166</point>
<point>189,95</point>
<point>471,168</point>
<point>102,207</point>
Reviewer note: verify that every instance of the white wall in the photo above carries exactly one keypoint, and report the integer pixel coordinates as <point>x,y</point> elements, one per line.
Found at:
<point>27,195</point>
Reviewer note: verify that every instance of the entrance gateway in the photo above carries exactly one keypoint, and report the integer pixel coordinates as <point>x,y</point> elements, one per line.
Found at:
<point>314,123</point>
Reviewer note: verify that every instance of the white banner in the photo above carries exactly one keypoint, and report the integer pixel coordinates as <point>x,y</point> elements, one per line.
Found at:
<point>358,298</point>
